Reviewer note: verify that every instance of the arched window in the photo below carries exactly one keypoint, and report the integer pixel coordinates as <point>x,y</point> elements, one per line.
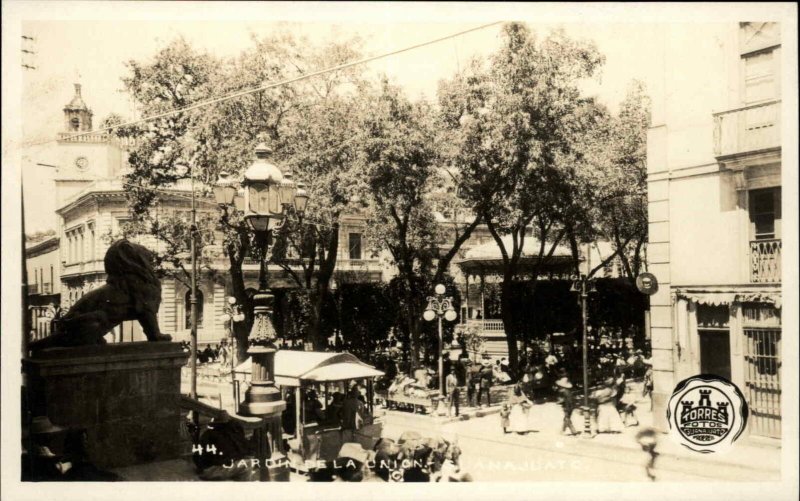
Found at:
<point>188,308</point>
<point>75,123</point>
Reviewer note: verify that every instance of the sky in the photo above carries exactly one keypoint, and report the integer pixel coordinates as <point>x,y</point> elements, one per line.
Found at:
<point>94,54</point>
<point>90,42</point>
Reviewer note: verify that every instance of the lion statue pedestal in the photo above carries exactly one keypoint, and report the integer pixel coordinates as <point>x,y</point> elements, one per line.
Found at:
<point>126,396</point>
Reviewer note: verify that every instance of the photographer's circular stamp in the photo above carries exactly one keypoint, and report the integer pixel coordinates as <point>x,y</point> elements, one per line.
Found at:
<point>707,413</point>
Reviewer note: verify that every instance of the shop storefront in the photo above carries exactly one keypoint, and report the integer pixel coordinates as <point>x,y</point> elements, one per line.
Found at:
<point>735,334</point>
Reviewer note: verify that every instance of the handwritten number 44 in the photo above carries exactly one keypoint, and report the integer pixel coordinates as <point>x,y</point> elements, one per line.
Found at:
<point>209,448</point>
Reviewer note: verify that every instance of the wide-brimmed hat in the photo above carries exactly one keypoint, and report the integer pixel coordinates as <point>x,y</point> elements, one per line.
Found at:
<point>41,425</point>
<point>353,450</point>
<point>564,383</point>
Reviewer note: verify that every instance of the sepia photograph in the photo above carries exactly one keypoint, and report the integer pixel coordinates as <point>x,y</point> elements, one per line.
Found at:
<point>536,248</point>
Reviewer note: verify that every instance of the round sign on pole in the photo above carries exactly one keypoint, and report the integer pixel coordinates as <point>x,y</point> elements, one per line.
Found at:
<point>647,283</point>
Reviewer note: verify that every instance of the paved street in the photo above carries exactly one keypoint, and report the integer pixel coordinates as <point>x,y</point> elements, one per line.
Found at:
<point>491,455</point>
<point>545,455</point>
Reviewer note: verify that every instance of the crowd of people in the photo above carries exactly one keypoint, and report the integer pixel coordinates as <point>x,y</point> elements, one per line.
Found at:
<point>221,352</point>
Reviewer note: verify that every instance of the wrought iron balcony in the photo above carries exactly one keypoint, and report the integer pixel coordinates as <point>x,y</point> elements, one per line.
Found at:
<point>751,128</point>
<point>765,261</point>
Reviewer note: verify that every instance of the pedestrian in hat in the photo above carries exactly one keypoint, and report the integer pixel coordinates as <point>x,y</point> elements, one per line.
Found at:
<point>608,420</point>
<point>519,417</point>
<point>486,380</point>
<point>567,400</point>
<point>350,462</point>
<point>473,381</point>
<point>453,393</point>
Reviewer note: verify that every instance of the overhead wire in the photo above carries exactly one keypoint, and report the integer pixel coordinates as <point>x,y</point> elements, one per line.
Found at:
<point>287,81</point>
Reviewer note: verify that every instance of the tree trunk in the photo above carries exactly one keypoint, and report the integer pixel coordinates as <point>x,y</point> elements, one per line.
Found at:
<point>322,289</point>
<point>509,325</point>
<point>241,330</point>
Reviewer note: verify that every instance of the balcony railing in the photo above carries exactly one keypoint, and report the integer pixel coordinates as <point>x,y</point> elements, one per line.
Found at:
<point>488,325</point>
<point>765,261</point>
<point>96,137</point>
<point>752,128</point>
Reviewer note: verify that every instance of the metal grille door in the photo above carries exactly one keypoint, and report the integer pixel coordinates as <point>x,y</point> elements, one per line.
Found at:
<point>762,358</point>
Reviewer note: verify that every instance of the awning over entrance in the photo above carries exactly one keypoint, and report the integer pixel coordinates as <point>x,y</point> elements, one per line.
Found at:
<point>726,295</point>
<point>292,367</point>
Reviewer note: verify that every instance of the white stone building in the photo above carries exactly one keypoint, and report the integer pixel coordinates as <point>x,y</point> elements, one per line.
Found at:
<point>714,193</point>
<point>92,208</point>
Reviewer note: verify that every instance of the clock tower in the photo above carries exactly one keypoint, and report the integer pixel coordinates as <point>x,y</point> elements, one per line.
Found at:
<point>77,116</point>
<point>86,157</point>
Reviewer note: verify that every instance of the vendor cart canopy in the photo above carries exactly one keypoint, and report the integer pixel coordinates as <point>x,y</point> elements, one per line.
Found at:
<point>292,367</point>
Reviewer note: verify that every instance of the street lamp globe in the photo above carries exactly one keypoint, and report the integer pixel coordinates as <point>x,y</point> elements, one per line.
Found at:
<point>224,317</point>
<point>429,315</point>
<point>440,289</point>
<point>288,189</point>
<point>301,199</point>
<point>450,315</point>
<point>231,300</point>
<point>262,184</point>
<point>225,191</point>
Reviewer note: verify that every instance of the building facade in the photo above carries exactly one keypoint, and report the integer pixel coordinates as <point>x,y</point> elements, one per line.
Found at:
<point>92,210</point>
<point>44,284</point>
<point>714,200</point>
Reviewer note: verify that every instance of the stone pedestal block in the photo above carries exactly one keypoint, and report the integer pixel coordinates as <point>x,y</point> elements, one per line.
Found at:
<point>125,395</point>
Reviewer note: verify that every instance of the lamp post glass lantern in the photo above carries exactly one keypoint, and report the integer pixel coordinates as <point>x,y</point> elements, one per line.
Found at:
<point>267,194</point>
<point>440,306</point>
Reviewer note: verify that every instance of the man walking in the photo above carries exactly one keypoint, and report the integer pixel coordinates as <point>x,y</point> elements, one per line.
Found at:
<point>486,380</point>
<point>564,388</point>
<point>453,393</point>
<point>473,382</point>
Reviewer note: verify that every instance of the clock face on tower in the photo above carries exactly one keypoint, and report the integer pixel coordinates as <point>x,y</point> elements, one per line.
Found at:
<point>81,163</point>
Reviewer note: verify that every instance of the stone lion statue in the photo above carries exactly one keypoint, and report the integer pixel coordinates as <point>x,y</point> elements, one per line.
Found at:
<point>132,292</point>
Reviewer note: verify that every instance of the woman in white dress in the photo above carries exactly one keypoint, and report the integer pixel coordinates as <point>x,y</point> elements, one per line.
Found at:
<point>608,420</point>
<point>520,416</point>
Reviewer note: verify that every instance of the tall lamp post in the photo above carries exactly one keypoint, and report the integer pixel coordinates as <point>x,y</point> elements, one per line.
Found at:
<point>584,286</point>
<point>440,306</point>
<point>268,194</point>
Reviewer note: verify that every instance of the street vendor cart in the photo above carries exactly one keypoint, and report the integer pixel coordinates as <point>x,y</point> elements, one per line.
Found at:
<point>309,382</point>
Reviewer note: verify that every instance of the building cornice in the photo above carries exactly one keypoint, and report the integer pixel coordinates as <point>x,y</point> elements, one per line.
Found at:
<point>87,198</point>
<point>42,247</point>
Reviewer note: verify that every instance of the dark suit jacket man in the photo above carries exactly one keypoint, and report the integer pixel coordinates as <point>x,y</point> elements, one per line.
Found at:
<point>351,407</point>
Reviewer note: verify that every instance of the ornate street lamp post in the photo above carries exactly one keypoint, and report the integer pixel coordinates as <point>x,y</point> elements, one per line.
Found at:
<point>584,286</point>
<point>440,306</point>
<point>268,192</point>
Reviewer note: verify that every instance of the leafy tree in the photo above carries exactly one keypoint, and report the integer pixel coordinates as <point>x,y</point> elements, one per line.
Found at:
<point>406,185</point>
<point>221,137</point>
<point>399,156</point>
<point>516,117</point>
<point>472,340</point>
<point>607,183</point>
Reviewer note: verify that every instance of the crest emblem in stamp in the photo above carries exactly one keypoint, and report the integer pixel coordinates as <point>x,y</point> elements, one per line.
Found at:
<point>707,413</point>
